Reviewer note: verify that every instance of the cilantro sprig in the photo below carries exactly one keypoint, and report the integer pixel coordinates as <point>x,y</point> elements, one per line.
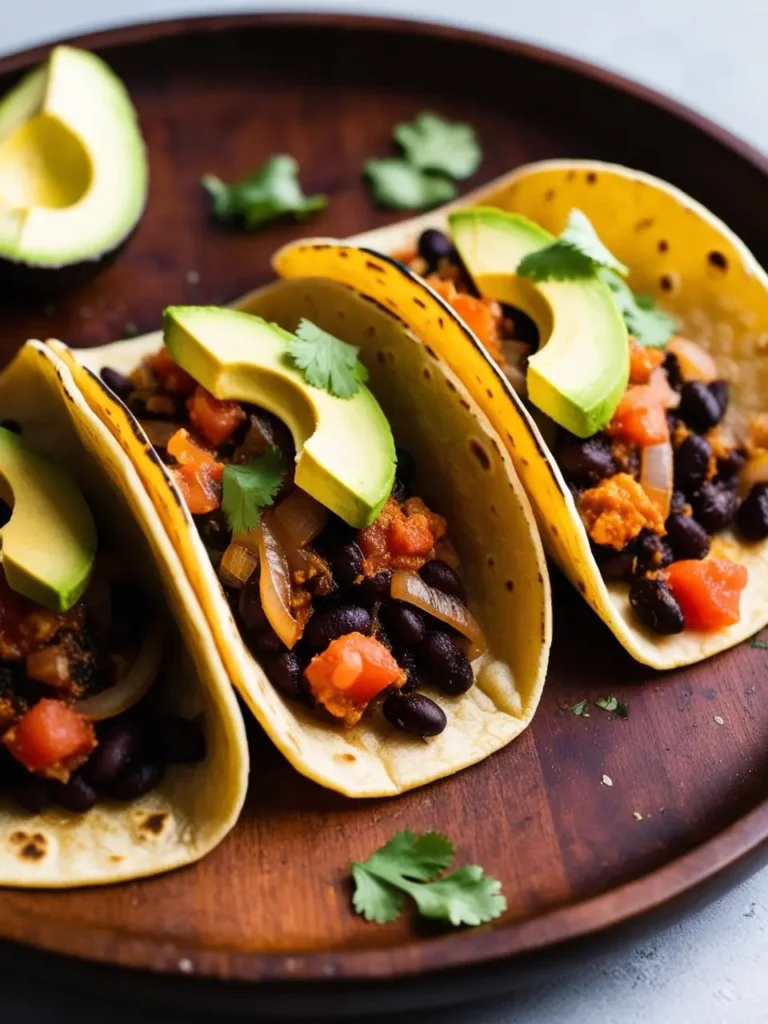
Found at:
<point>250,487</point>
<point>325,361</point>
<point>399,186</point>
<point>270,192</point>
<point>648,325</point>
<point>410,865</point>
<point>612,703</point>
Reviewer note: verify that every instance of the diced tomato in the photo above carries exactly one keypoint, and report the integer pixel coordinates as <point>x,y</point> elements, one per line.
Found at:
<point>708,591</point>
<point>483,316</point>
<point>410,535</point>
<point>642,361</point>
<point>216,420</point>
<point>198,475</point>
<point>445,289</point>
<point>352,670</point>
<point>170,375</point>
<point>640,417</point>
<point>48,734</point>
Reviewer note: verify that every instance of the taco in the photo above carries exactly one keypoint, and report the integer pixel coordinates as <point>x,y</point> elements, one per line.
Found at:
<point>363,597</point>
<point>122,749</point>
<point>638,430</point>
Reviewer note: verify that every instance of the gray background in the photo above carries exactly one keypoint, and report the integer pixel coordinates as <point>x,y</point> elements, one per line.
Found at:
<point>712,968</point>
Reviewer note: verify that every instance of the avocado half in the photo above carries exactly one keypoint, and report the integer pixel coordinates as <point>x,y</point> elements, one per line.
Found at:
<point>73,173</point>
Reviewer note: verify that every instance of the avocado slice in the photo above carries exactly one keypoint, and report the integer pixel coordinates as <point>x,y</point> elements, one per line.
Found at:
<point>345,450</point>
<point>73,171</point>
<point>581,369</point>
<point>48,545</point>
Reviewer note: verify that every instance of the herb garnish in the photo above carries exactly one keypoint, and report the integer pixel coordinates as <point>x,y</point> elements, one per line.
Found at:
<point>581,708</point>
<point>612,703</point>
<point>270,192</point>
<point>250,487</point>
<point>410,865</point>
<point>326,361</point>
<point>399,186</point>
<point>648,325</point>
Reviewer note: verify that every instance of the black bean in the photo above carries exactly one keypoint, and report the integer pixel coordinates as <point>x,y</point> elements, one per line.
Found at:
<point>118,742</point>
<point>714,506</point>
<point>405,623</point>
<point>268,642</point>
<point>719,390</point>
<point>687,538</point>
<point>443,664</point>
<point>138,778</point>
<point>177,740</point>
<point>674,373</point>
<point>336,533</point>
<point>692,463</point>
<point>679,502</point>
<point>284,672</point>
<point>406,466</point>
<point>117,382</point>
<point>698,407</point>
<point>414,713</point>
<point>346,563</point>
<point>399,491</point>
<point>655,606</point>
<point>406,659</point>
<point>441,576</point>
<point>249,607</point>
<point>76,795</point>
<point>376,588</point>
<point>591,459</point>
<point>434,246</point>
<point>30,792</point>
<point>730,465</point>
<point>214,530</point>
<point>324,627</point>
<point>617,567</point>
<point>652,552</point>
<point>752,517</point>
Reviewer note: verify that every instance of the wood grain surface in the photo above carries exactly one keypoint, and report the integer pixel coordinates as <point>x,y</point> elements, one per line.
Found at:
<point>272,903</point>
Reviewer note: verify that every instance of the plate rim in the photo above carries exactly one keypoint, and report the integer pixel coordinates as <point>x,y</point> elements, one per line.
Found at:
<point>715,860</point>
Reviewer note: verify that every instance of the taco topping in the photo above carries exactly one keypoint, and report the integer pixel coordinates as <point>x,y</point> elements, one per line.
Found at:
<point>663,476</point>
<point>341,616</point>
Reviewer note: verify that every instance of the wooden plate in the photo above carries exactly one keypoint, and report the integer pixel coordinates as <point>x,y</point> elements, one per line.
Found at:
<point>270,908</point>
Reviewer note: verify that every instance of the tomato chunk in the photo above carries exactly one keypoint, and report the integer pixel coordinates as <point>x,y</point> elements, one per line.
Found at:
<point>170,375</point>
<point>708,591</point>
<point>51,732</point>
<point>410,535</point>
<point>198,474</point>
<point>640,417</point>
<point>349,673</point>
<point>216,420</point>
<point>642,361</point>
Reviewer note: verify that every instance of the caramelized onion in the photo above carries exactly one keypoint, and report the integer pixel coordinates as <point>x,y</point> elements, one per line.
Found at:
<point>237,565</point>
<point>275,583</point>
<point>140,675</point>
<point>49,665</point>
<point>659,381</point>
<point>410,587</point>
<point>695,362</point>
<point>301,518</point>
<point>657,474</point>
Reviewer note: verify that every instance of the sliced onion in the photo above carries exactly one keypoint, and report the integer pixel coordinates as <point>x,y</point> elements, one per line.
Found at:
<point>695,362</point>
<point>275,584</point>
<point>301,518</point>
<point>49,665</point>
<point>657,474</point>
<point>237,565</point>
<point>129,690</point>
<point>659,381</point>
<point>410,587</point>
<point>159,432</point>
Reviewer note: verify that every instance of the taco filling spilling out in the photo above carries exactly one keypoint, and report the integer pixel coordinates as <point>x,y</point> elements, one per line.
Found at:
<point>342,578</point>
<point>79,652</point>
<point>639,436</point>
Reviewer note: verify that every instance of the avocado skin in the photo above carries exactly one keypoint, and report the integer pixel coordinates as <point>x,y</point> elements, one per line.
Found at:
<point>17,278</point>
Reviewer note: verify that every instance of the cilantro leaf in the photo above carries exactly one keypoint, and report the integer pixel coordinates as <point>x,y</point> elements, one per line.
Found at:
<point>578,253</point>
<point>411,864</point>
<point>648,326</point>
<point>580,707</point>
<point>270,192</point>
<point>607,703</point>
<point>430,143</point>
<point>326,361</point>
<point>398,185</point>
<point>249,487</point>
<point>759,644</point>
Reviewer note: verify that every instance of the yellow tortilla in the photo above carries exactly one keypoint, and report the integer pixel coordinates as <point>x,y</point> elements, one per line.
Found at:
<point>463,470</point>
<point>195,806</point>
<point>726,310</point>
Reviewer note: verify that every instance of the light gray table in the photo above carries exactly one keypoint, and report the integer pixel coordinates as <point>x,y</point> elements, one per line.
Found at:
<point>712,968</point>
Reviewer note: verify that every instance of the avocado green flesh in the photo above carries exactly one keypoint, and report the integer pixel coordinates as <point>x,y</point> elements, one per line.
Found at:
<point>48,545</point>
<point>73,170</point>
<point>581,369</point>
<point>345,450</point>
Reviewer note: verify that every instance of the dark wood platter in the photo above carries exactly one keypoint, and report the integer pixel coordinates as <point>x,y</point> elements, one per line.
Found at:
<point>269,910</point>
